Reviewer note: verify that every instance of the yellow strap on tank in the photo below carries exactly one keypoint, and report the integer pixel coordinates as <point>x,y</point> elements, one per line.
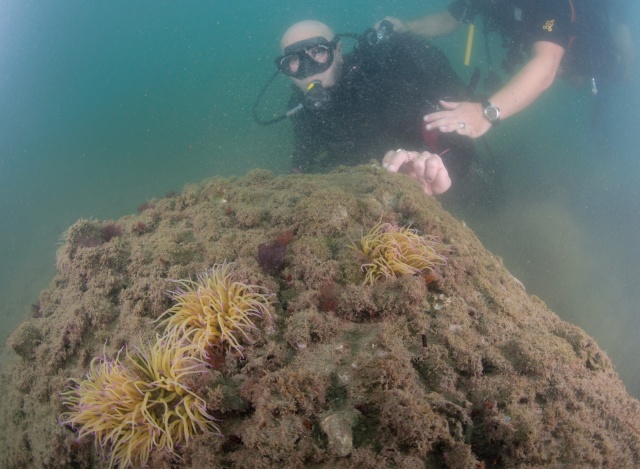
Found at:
<point>467,55</point>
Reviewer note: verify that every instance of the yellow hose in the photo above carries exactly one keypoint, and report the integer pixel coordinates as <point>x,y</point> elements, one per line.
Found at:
<point>467,55</point>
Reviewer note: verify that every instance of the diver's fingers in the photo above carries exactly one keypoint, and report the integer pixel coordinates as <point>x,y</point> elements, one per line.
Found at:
<point>433,175</point>
<point>439,186</point>
<point>433,165</point>
<point>446,121</point>
<point>441,183</point>
<point>464,118</point>
<point>420,167</point>
<point>394,159</point>
<point>449,104</point>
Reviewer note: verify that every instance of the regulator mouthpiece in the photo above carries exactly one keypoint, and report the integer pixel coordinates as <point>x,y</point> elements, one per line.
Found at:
<point>317,98</point>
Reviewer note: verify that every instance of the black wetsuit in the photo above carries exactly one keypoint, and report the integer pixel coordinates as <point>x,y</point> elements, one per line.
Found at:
<point>378,105</point>
<point>581,27</point>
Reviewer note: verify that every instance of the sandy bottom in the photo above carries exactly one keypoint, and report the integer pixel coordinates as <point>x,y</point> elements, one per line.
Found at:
<point>454,369</point>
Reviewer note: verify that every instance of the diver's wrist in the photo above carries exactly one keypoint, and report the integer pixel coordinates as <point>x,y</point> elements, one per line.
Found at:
<point>490,112</point>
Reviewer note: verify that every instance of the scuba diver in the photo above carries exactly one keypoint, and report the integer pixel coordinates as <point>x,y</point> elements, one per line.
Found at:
<point>348,108</point>
<point>572,38</point>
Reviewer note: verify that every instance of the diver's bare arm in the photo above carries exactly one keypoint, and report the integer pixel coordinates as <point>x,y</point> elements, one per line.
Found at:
<point>440,24</point>
<point>531,81</point>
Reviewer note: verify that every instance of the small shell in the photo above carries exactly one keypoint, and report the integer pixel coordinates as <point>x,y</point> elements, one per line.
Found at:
<point>338,430</point>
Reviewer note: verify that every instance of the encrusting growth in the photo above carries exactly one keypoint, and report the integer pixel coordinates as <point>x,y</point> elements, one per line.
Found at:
<point>138,405</point>
<point>393,250</point>
<point>215,309</point>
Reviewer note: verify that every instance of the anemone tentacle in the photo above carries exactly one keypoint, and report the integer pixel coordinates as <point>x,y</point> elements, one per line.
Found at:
<point>392,251</point>
<point>216,309</point>
<point>138,404</point>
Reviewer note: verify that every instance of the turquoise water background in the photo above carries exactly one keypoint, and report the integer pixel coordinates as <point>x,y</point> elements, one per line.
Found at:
<point>104,105</point>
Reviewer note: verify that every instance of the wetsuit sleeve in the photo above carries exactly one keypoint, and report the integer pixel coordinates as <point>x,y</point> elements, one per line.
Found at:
<point>464,11</point>
<point>552,22</point>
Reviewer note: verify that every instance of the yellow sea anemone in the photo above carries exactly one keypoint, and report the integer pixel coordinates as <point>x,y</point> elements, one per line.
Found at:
<point>215,309</point>
<point>138,405</point>
<point>392,251</point>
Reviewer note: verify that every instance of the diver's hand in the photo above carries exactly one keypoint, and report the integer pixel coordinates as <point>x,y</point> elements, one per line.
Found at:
<point>463,118</point>
<point>398,25</point>
<point>426,168</point>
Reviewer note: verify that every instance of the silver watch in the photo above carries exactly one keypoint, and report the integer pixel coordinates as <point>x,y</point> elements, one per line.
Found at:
<point>490,113</point>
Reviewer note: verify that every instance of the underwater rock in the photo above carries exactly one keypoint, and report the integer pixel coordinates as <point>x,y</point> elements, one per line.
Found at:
<point>24,340</point>
<point>462,372</point>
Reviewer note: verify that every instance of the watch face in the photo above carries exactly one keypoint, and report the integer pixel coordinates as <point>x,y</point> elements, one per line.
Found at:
<point>491,113</point>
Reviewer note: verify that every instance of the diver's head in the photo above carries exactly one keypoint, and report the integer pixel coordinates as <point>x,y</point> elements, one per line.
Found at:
<point>310,53</point>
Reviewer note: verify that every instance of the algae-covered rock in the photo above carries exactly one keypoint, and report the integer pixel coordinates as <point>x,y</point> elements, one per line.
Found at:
<point>24,340</point>
<point>450,366</point>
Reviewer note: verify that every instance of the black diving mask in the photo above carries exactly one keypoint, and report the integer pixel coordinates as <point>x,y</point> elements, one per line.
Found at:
<point>308,57</point>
